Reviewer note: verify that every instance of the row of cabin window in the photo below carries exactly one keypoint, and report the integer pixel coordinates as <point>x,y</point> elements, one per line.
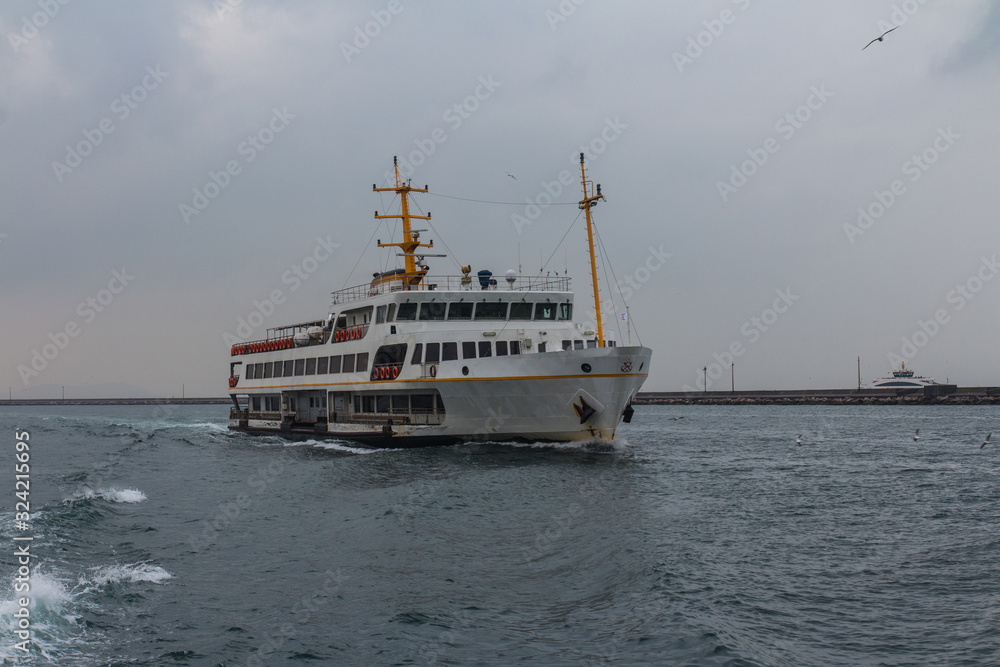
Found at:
<point>469,310</point>
<point>436,352</point>
<point>347,363</point>
<point>398,403</point>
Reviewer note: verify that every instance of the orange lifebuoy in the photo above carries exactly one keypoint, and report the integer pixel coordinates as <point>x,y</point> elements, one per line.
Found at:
<point>434,370</point>
<point>395,372</point>
<point>361,333</point>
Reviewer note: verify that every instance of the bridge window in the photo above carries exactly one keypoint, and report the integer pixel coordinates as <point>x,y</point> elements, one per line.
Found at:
<point>460,311</point>
<point>565,311</point>
<point>432,310</point>
<point>407,312</point>
<point>545,311</point>
<point>491,310</point>
<point>520,311</point>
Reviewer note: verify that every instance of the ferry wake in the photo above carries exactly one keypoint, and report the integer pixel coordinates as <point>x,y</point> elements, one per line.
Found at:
<point>410,359</point>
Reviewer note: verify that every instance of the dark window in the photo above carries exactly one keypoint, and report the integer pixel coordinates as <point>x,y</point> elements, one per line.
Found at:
<point>591,343</point>
<point>277,369</point>
<point>440,402</point>
<point>520,311</point>
<point>422,402</point>
<point>335,364</point>
<point>484,349</point>
<point>362,365</point>
<point>258,371</point>
<point>381,403</point>
<point>401,403</point>
<point>567,344</point>
<point>407,311</point>
<point>268,367</point>
<point>460,311</point>
<point>541,347</point>
<point>348,366</point>
<point>565,311</point>
<point>468,350</point>
<point>368,404</point>
<point>357,404</point>
<point>433,353</point>
<point>578,345</point>
<point>322,365</point>
<point>391,313</point>
<point>289,365</point>
<point>418,351</point>
<point>449,351</point>
<point>515,347</point>
<point>300,367</point>
<point>390,354</point>
<point>380,315</point>
<point>248,371</point>
<point>545,311</point>
<point>491,310</point>
<point>311,366</point>
<point>501,348</point>
<point>432,310</point>
<point>256,403</point>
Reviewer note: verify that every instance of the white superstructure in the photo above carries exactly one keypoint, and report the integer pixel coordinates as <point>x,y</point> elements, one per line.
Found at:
<point>411,359</point>
<point>902,379</point>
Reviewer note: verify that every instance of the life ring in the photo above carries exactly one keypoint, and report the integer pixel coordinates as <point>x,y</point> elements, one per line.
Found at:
<point>434,370</point>
<point>361,332</point>
<point>395,372</point>
<point>383,373</point>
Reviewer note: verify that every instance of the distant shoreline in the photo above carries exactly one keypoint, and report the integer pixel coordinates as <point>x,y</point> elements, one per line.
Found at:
<point>116,401</point>
<point>944,395</point>
<point>939,395</point>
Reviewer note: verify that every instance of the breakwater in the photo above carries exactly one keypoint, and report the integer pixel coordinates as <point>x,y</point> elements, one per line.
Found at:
<point>935,395</point>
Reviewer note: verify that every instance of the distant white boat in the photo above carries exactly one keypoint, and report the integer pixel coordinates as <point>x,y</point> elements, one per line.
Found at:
<point>902,378</point>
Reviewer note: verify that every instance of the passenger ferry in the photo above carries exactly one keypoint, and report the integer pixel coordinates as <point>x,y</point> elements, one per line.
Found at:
<point>411,359</point>
<point>902,379</point>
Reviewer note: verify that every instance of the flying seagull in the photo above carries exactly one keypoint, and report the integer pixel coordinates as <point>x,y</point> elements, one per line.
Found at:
<point>515,177</point>
<point>987,440</point>
<point>916,436</point>
<point>798,440</point>
<point>879,38</point>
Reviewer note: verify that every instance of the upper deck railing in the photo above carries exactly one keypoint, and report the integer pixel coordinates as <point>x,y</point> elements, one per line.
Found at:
<point>455,284</point>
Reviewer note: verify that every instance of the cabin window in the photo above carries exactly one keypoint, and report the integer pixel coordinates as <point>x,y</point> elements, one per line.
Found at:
<point>433,355</point>
<point>380,315</point>
<point>491,310</point>
<point>484,349</point>
<point>249,371</point>
<point>565,311</point>
<point>501,348</point>
<point>578,345</point>
<point>277,369</point>
<point>468,350</point>
<point>422,402</point>
<point>289,365</point>
<point>541,347</point>
<point>407,312</point>
<point>520,311</point>
<point>311,366</point>
<point>545,311</point>
<point>256,403</point>
<point>418,351</point>
<point>322,365</point>
<point>567,345</point>
<point>382,403</point>
<point>392,312</point>
<point>591,344</point>
<point>390,354</point>
<point>268,367</point>
<point>460,311</point>
<point>401,403</point>
<point>432,310</point>
<point>335,364</point>
<point>515,347</point>
<point>449,351</point>
<point>362,363</point>
<point>300,367</point>
<point>348,364</point>
<point>368,404</point>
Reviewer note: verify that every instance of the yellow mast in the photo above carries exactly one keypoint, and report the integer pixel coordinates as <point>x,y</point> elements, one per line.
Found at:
<point>414,273</point>
<point>588,202</point>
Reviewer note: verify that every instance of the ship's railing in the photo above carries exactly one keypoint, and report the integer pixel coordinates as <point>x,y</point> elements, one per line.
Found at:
<point>499,283</point>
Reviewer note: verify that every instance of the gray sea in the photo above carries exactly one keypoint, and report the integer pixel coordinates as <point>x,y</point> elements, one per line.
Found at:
<point>703,536</point>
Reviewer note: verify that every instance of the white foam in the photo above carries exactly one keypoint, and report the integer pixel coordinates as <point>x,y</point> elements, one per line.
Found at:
<point>115,574</point>
<point>111,495</point>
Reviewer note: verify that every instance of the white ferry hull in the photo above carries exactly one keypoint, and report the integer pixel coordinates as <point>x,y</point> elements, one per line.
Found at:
<point>539,397</point>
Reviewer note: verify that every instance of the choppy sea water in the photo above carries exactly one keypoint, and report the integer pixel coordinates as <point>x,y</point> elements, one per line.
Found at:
<point>704,536</point>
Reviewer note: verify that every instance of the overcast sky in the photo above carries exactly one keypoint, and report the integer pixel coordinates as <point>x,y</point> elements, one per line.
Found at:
<point>169,167</point>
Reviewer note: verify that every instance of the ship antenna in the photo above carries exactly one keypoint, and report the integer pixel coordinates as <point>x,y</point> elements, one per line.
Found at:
<point>414,272</point>
<point>589,201</point>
